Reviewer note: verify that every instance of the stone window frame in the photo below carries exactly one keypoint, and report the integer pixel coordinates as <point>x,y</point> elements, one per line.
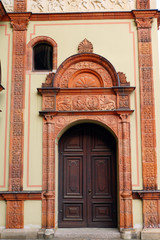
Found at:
<point>31,44</point>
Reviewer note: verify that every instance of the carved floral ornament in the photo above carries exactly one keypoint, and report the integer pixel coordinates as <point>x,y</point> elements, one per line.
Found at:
<point>85,47</point>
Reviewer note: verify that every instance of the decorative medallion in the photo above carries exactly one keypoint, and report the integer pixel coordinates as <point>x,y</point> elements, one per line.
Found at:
<point>85,47</point>
<point>92,103</point>
<point>79,103</point>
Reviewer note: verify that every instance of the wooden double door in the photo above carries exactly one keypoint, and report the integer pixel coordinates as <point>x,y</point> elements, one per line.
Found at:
<point>87,177</point>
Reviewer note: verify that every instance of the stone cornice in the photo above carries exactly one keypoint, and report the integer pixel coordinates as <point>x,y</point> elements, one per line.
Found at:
<point>85,15</point>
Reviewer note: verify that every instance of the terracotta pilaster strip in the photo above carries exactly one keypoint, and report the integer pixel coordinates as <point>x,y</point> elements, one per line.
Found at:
<point>127,186</point>
<point>143,4</point>
<point>19,23</point>
<point>148,132</point>
<point>20,5</point>
<point>48,202</point>
<point>149,160</point>
<point>14,216</point>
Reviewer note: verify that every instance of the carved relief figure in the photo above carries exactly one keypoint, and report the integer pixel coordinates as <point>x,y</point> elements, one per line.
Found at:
<point>8,5</point>
<point>64,103</point>
<point>74,4</point>
<point>106,103</point>
<point>92,103</point>
<point>37,5</point>
<point>120,3</point>
<point>99,4</point>
<point>56,5</point>
<point>79,103</point>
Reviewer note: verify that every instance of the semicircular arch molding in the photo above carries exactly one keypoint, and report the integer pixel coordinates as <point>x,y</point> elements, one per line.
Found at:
<point>86,70</point>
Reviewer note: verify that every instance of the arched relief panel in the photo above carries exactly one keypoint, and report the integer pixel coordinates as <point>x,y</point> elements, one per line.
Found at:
<point>90,66</point>
<point>32,43</point>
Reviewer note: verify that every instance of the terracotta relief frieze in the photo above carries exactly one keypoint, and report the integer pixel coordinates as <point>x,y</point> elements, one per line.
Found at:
<point>80,6</point>
<point>9,5</point>
<point>86,103</point>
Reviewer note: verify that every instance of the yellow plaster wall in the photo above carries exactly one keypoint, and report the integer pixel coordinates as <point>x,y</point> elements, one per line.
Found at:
<point>137,214</point>
<point>32,214</point>
<point>3,214</point>
<point>5,98</point>
<point>113,39</point>
<point>33,134</point>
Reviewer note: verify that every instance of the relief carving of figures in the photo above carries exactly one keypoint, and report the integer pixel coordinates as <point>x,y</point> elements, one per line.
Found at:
<point>79,103</point>
<point>92,103</point>
<point>107,103</point>
<point>79,5</point>
<point>56,5</point>
<point>64,103</point>
<point>8,5</point>
<point>49,102</point>
<point>99,4</point>
<point>37,6</point>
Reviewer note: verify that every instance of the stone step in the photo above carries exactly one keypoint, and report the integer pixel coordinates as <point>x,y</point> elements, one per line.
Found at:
<point>86,233</point>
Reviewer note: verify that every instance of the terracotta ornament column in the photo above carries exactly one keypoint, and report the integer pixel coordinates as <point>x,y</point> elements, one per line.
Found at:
<point>19,23</point>
<point>148,132</point>
<point>127,187</point>
<point>20,5</point>
<point>143,4</point>
<point>48,202</point>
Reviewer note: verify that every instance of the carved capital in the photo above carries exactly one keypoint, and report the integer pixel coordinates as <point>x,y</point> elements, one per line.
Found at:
<point>144,22</point>
<point>126,195</point>
<point>49,118</point>
<point>48,195</point>
<point>19,22</point>
<point>124,117</point>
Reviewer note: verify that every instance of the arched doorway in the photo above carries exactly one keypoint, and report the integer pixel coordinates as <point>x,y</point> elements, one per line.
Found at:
<point>87,177</point>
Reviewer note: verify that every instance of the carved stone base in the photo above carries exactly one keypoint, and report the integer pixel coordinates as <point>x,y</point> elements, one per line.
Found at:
<point>45,233</point>
<point>130,234</point>
<point>150,233</point>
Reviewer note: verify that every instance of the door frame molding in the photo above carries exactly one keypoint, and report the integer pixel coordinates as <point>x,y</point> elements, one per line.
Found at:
<point>63,107</point>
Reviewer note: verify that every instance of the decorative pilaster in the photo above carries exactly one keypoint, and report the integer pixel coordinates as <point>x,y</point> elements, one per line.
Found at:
<point>48,202</point>
<point>19,23</point>
<point>20,5</point>
<point>126,194</point>
<point>143,4</point>
<point>149,160</point>
<point>148,132</point>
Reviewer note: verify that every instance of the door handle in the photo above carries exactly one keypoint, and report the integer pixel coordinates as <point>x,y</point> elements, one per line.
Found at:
<point>89,192</point>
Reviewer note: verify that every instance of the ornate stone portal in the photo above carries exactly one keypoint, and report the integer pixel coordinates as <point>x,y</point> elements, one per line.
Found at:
<point>86,87</point>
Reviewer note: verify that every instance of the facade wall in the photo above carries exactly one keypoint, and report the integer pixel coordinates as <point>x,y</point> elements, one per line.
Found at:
<point>117,41</point>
